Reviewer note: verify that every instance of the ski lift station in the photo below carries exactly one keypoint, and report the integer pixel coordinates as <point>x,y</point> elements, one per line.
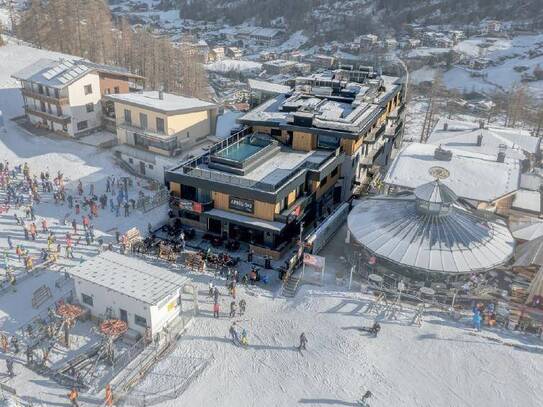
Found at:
<point>428,234</point>
<point>147,297</point>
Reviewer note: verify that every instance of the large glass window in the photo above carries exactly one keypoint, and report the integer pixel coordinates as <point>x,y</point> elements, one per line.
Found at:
<point>328,142</point>
<point>140,320</point>
<point>87,299</point>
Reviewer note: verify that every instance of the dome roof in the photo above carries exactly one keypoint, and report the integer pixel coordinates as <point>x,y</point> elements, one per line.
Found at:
<point>396,229</point>
<point>436,192</point>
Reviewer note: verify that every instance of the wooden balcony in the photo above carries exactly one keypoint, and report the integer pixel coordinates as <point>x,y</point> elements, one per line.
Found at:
<point>44,98</point>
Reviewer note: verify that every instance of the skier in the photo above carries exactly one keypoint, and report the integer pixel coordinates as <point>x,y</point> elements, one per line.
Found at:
<point>234,334</point>
<point>364,400</point>
<point>9,366</point>
<point>303,342</point>
<point>242,307</point>
<point>232,309</point>
<point>244,339</point>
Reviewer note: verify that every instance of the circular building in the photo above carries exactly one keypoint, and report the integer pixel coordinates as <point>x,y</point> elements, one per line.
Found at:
<point>429,234</point>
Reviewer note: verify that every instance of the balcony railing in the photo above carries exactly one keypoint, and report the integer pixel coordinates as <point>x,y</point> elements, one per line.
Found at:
<point>148,138</point>
<point>303,203</point>
<point>61,100</point>
<point>49,116</point>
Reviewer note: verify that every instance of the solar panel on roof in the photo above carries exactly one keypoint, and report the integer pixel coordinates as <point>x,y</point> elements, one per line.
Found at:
<point>62,80</point>
<point>84,67</point>
<point>47,75</point>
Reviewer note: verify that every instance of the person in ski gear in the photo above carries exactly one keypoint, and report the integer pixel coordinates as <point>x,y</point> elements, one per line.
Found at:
<point>244,338</point>
<point>303,342</point>
<point>234,334</point>
<point>242,307</point>
<point>477,320</point>
<point>9,366</point>
<point>72,396</point>
<point>232,309</point>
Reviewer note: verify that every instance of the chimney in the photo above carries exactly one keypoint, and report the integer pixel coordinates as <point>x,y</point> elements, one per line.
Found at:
<point>480,140</point>
<point>501,157</point>
<point>481,124</point>
<point>161,94</point>
<point>445,126</point>
<point>441,154</point>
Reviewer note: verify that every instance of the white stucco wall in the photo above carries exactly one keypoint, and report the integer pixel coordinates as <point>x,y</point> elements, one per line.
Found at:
<point>78,100</point>
<point>103,297</point>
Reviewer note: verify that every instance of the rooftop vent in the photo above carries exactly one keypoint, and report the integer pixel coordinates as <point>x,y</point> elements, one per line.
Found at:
<point>441,154</point>
<point>303,119</point>
<point>501,157</point>
<point>445,126</point>
<point>481,124</point>
<point>161,94</point>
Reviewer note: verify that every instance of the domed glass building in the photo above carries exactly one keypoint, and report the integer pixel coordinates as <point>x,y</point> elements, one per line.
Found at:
<point>428,234</point>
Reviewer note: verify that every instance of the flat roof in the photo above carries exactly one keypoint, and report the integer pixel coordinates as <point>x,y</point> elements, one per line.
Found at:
<point>527,200</point>
<point>129,276</point>
<point>463,135</point>
<point>169,104</point>
<point>471,175</point>
<point>268,87</point>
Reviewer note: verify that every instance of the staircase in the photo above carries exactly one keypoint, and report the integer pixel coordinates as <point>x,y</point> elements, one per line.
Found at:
<point>291,286</point>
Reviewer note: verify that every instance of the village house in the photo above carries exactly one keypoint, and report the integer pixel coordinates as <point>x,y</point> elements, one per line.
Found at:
<point>65,96</point>
<point>155,123</point>
<point>299,156</point>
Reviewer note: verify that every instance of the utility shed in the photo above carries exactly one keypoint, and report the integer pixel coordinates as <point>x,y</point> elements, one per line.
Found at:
<point>145,296</point>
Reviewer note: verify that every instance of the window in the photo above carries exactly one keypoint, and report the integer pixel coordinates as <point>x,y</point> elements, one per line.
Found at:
<point>334,172</point>
<point>88,89</point>
<point>116,89</point>
<point>127,116</point>
<point>108,91</point>
<point>131,161</point>
<point>140,321</point>
<point>57,93</point>
<point>151,166</point>
<point>40,89</point>
<point>90,107</point>
<point>87,299</point>
<point>160,125</point>
<point>82,125</point>
<point>143,120</point>
<point>327,142</point>
<point>324,180</point>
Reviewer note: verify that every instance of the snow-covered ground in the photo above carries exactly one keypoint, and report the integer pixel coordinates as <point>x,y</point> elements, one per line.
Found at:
<point>233,65</point>
<point>441,364</point>
<point>506,55</point>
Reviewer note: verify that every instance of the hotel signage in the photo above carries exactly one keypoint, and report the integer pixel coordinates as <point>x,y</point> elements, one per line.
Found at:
<point>242,205</point>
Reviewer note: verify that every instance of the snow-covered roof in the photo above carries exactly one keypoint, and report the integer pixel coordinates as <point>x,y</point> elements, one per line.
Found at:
<point>265,32</point>
<point>527,201</point>
<point>456,240</point>
<point>528,228</point>
<point>471,175</point>
<point>129,276</point>
<point>463,135</point>
<point>62,72</point>
<point>169,104</point>
<point>268,87</point>
<point>529,253</point>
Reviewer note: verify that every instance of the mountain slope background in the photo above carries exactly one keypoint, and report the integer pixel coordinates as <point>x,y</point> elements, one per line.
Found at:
<point>360,16</point>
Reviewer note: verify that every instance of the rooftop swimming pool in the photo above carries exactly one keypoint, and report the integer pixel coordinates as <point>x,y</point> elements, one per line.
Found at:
<point>242,151</point>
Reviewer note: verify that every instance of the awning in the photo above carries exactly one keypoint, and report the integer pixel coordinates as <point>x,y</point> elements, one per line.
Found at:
<point>246,220</point>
